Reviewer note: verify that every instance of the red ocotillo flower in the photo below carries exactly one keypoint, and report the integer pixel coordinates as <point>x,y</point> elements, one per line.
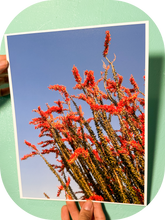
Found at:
<point>76,74</point>
<point>29,155</point>
<point>62,90</point>
<point>106,43</point>
<point>133,82</point>
<point>68,182</point>
<point>96,198</point>
<point>97,155</point>
<point>60,188</point>
<point>90,79</point>
<point>78,151</point>
<point>31,145</point>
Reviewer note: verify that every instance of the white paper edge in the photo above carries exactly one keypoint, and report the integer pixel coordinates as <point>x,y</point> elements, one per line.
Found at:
<point>146,108</point>
<point>14,119</point>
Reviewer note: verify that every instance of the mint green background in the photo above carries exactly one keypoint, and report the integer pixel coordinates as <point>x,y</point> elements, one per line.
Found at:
<point>76,13</point>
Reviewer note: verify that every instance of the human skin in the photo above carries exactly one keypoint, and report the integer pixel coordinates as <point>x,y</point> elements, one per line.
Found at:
<point>89,211</point>
<point>4,75</point>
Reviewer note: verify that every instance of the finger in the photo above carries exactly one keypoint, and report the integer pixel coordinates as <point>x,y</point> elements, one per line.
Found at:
<point>3,65</point>
<point>98,211</point>
<point>2,57</point>
<point>65,213</point>
<point>73,210</point>
<point>4,92</point>
<point>4,72</point>
<point>86,212</point>
<point>81,204</point>
<point>4,79</point>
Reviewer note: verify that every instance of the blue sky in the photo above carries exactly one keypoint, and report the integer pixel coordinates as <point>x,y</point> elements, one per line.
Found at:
<point>38,60</point>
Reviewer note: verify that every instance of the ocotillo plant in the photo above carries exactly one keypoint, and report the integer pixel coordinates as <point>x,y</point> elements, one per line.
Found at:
<point>107,164</point>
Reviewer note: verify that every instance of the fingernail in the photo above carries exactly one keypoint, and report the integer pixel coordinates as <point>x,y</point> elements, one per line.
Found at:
<point>88,205</point>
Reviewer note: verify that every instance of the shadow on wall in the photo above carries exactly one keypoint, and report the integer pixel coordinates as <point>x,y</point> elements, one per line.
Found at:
<point>105,212</point>
<point>155,78</point>
<point>3,100</point>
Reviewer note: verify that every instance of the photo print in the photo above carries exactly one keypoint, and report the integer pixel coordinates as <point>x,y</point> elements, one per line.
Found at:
<point>79,99</point>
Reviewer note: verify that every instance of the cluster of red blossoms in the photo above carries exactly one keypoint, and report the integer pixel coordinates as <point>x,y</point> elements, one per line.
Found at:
<point>76,74</point>
<point>106,43</point>
<point>62,90</point>
<point>60,188</point>
<point>107,164</point>
<point>77,153</point>
<point>88,82</point>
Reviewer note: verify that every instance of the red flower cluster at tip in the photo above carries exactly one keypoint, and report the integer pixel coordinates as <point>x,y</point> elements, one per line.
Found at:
<point>90,79</point>
<point>51,150</point>
<point>58,109</point>
<point>29,155</point>
<point>31,145</point>
<point>79,151</point>
<point>84,98</point>
<point>139,194</point>
<point>90,138</point>
<point>111,84</point>
<point>141,101</point>
<point>89,120</point>
<point>45,143</point>
<point>68,182</point>
<point>76,74</point>
<point>62,90</point>
<point>96,198</point>
<point>133,82</point>
<point>42,113</point>
<point>68,197</point>
<point>112,109</point>
<point>61,168</point>
<point>60,188</point>
<point>106,43</point>
<point>97,155</point>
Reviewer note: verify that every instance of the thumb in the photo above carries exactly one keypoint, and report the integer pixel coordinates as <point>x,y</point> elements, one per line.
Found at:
<point>86,212</point>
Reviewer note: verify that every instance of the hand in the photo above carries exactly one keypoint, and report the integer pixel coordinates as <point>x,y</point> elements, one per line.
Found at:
<point>89,211</point>
<point>3,75</point>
